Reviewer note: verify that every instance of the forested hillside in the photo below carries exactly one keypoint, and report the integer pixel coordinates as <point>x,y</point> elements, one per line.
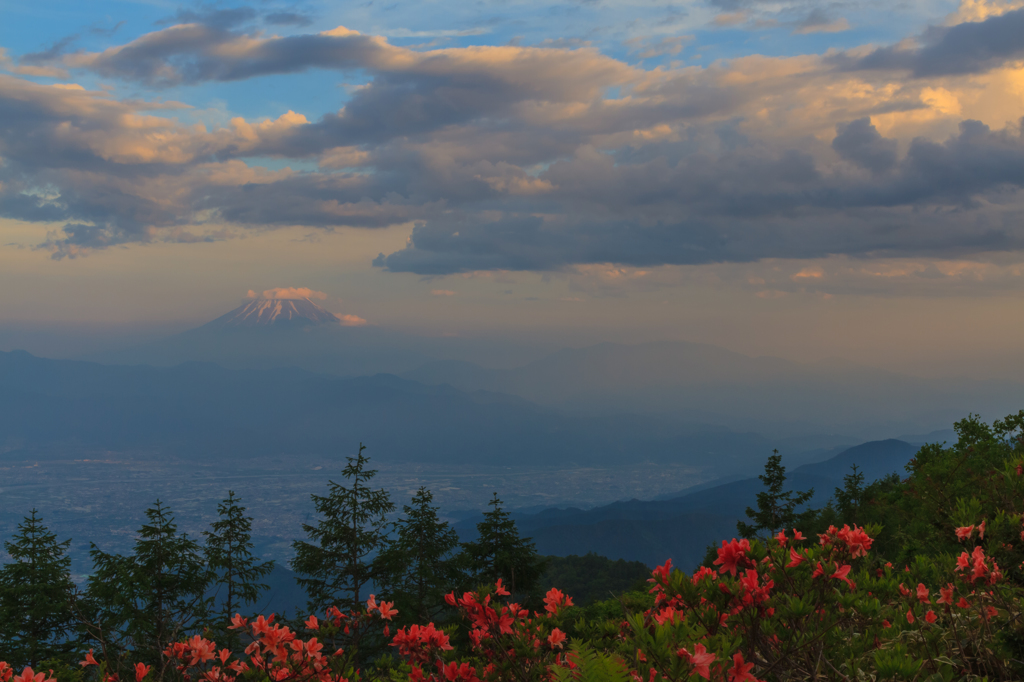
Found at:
<point>910,577</point>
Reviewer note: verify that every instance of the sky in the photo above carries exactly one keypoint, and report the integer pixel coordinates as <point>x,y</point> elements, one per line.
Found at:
<point>794,178</point>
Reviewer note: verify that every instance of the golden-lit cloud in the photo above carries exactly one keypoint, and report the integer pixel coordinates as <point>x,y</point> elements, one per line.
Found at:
<point>511,157</point>
<point>351,321</point>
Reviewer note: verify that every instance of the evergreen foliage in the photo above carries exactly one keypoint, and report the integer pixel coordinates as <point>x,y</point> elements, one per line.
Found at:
<point>421,563</point>
<point>776,508</point>
<point>592,577</point>
<point>848,499</point>
<point>592,666</point>
<point>36,596</point>
<point>236,572</point>
<point>947,488</point>
<point>499,552</point>
<point>336,564</point>
<point>153,597</point>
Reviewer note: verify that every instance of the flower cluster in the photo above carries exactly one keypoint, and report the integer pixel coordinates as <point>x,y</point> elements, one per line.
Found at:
<point>27,675</point>
<point>781,605</point>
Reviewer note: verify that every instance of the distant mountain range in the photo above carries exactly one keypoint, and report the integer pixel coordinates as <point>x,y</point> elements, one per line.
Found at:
<point>200,410</point>
<point>678,381</point>
<point>683,526</point>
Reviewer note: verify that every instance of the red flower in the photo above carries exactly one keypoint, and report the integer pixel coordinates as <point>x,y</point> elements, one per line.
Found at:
<point>312,623</point>
<point>668,614</point>
<point>910,615</point>
<point>386,611</point>
<point>731,554</point>
<point>922,593</point>
<point>857,541</point>
<point>841,573</point>
<point>946,594</point>
<point>930,616</point>
<point>89,660</point>
<point>554,600</point>
<point>661,573</point>
<point>740,671</point>
<point>701,661</point>
<point>28,676</point>
<point>795,558</point>
<point>465,672</point>
<point>964,532</point>
<point>141,670</point>
<point>500,590</point>
<point>556,638</point>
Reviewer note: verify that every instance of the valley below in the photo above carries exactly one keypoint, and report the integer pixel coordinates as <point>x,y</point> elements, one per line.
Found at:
<point>96,496</point>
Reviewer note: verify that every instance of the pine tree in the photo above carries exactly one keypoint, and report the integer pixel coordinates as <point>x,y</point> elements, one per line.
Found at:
<point>153,597</point>
<point>335,564</point>
<point>37,618</point>
<point>850,496</point>
<point>499,552</point>
<point>421,562</point>
<point>776,509</point>
<point>229,556</point>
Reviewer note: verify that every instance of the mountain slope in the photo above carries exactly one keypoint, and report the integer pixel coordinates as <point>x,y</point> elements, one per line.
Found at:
<point>264,312</point>
<point>681,528</point>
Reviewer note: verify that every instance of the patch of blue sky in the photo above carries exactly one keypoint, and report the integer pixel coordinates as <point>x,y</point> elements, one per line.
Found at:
<point>29,27</point>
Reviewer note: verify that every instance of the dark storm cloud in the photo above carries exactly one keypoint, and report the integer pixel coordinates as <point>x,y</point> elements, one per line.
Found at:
<point>859,142</point>
<point>973,47</point>
<point>747,205</point>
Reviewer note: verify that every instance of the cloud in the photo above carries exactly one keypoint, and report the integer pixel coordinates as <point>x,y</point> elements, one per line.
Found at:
<point>819,22</point>
<point>646,48</point>
<point>212,16</point>
<point>860,142</point>
<point>351,321</point>
<point>526,158</point>
<point>966,48</point>
<point>746,205</point>
<point>442,292</point>
<point>730,18</point>
<point>288,293</point>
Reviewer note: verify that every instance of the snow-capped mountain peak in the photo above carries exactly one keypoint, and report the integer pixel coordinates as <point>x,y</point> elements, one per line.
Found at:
<point>276,312</point>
